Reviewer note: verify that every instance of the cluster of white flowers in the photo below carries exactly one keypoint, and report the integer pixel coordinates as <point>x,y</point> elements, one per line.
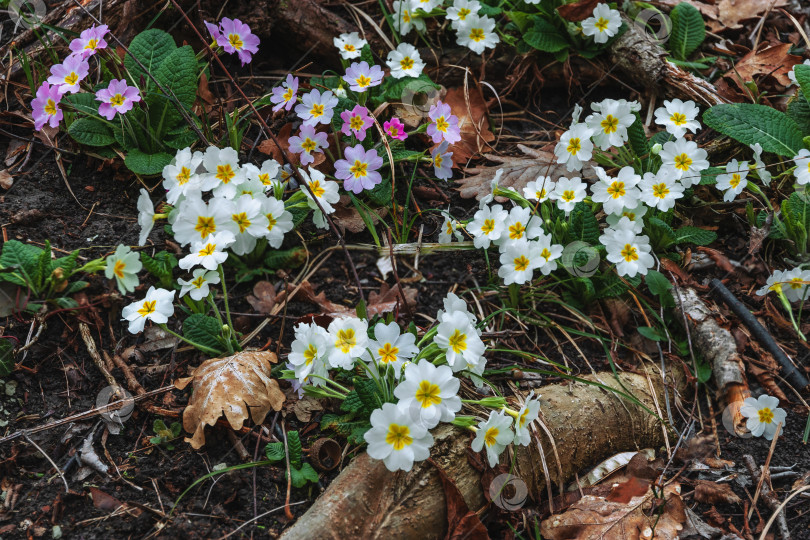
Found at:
<point>425,380</point>
<point>473,30</point>
<point>794,284</point>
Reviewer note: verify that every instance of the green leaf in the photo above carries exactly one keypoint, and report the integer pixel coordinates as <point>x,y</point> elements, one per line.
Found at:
<point>708,177</point>
<point>799,110</point>
<point>150,47</point>
<point>358,429</point>
<point>367,391</point>
<point>637,137</point>
<point>543,36</point>
<point>650,333</point>
<point>584,225</point>
<point>91,132</point>
<point>147,164</point>
<point>285,258</point>
<point>83,102</point>
<point>688,30</point>
<point>181,140</point>
<point>351,404</point>
<point>75,287</point>
<point>6,357</point>
<point>67,263</point>
<point>178,75</point>
<point>300,477</point>
<point>381,193</point>
<point>366,55</point>
<point>24,259</point>
<point>203,330</point>
<point>404,89</point>
<point>160,266</point>
<point>694,235</point>
<point>42,271</point>
<point>749,123</point>
<point>275,451</point>
<point>704,372</point>
<point>657,282</point>
<point>609,285</point>
<point>802,72</point>
<point>294,447</point>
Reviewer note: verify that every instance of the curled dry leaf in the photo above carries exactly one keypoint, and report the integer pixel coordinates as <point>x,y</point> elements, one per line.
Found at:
<point>473,123</point>
<point>710,492</point>
<point>238,386</point>
<point>767,61</point>
<point>264,297</point>
<point>517,172</point>
<point>378,303</point>
<point>594,517</point>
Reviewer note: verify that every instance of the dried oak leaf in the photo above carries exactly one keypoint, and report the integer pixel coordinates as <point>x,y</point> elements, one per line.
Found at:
<point>517,172</point>
<point>595,517</point>
<point>264,297</point>
<point>378,303</point>
<point>578,11</point>
<point>238,386</point>
<point>732,12</point>
<point>767,60</point>
<point>473,123</point>
<point>710,492</point>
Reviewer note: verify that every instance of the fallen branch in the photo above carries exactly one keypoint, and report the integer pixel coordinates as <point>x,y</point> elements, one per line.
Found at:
<point>767,495</point>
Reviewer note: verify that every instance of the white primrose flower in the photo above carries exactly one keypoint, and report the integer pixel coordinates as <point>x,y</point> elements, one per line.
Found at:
<point>460,10</point>
<point>348,337</point>
<point>539,190</point>
<point>180,176</point>
<point>487,226</point>
<point>247,224</point>
<point>519,259</point>
<point>734,181</point>
<point>197,220</point>
<point>477,32</point>
<point>684,160</point>
<point>267,174</point>
<point>616,193</point>
<point>396,439</point>
<point>495,434</point>
<point>460,341</point>
<point>802,171</point>
<point>575,147</point>
<point>404,61</point>
<point>325,191</point>
<point>520,223</point>
<point>493,185</point>
<point>526,415</point>
<point>316,107</point>
<point>349,45</point>
<point>390,347</point>
<point>429,393</point>
<point>603,24</point>
<point>209,253</point>
<point>124,265</point>
<point>761,169</point>
<point>223,171</point>
<point>634,218</point>
<point>568,192</point>
<point>197,288</point>
<point>630,252</point>
<point>279,221</point>
<point>453,304</point>
<point>764,415</point>
<point>549,253</point>
<point>146,216</point>
<point>449,229</point>
<point>678,116</point>
<point>403,18</point>
<point>252,186</point>
<point>793,283</point>
<point>156,306</point>
<point>610,121</point>
<point>426,5</point>
<point>308,354</point>
<point>660,191</point>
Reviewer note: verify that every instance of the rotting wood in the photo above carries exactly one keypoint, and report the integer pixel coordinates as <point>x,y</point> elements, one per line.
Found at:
<point>588,424</point>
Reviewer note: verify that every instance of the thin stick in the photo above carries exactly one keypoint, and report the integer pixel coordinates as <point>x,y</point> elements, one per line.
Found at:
<point>55,466</point>
<point>765,468</point>
<point>778,511</point>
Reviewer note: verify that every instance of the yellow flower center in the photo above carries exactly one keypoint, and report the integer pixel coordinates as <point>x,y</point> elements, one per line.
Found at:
<point>488,226</point>
<point>72,79</point>
<point>629,215</point>
<point>345,340</point>
<point>183,176</point>
<point>406,63</point>
<point>442,124</point>
<point>388,353</point>
<point>147,308</point>
<point>205,226</point>
<point>393,131</point>
<point>349,47</point>
<point>428,394</point>
<point>225,173</point>
<point>522,418</point>
<point>601,24</point>
<point>516,231</point>
<point>490,436</point>
<point>241,220</point>
<point>629,253</point>
<point>610,124</point>
<point>398,436</point>
<point>765,415</point>
<point>288,94</point>
<point>118,269</point>
<point>316,188</point>
<point>683,162</point>
<point>735,180</point>
<point>521,263</point>
<point>209,249</point>
<point>359,169</point>
<point>236,41</point>
<point>477,34</point>
<point>462,13</point>
<point>117,100</point>
<point>616,190</point>
<point>449,227</point>
<point>574,146</point>
<point>316,110</point>
<point>659,190</point>
<point>310,354</point>
<point>362,81</point>
<point>406,16</point>
<point>91,45</point>
<point>264,178</point>
<point>568,195</point>
<point>50,107</point>
<point>678,119</point>
<point>309,145</point>
<point>437,161</point>
<point>458,341</point>
<point>540,194</point>
<point>796,283</point>
<point>198,282</point>
<point>356,123</point>
<point>546,254</point>
<point>271,222</point>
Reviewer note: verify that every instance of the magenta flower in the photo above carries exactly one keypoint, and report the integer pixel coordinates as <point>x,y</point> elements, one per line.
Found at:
<point>356,121</point>
<point>89,41</point>
<point>359,170</point>
<point>306,142</point>
<point>285,95</point>
<point>236,37</point>
<point>361,76</point>
<point>443,125</point>
<point>442,161</point>
<point>214,30</point>
<point>395,129</point>
<point>118,97</point>
<point>45,107</point>
<point>69,73</point>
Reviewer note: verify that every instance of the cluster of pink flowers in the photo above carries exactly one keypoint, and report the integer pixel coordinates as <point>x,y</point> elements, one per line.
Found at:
<point>234,36</point>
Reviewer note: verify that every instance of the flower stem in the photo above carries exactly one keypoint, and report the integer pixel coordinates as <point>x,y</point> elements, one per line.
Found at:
<point>225,295</point>
<point>194,344</point>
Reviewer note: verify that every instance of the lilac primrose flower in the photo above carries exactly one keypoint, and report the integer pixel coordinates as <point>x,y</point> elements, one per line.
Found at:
<point>395,129</point>
<point>442,161</point>
<point>306,142</point>
<point>45,107</point>
<point>361,76</point>
<point>356,121</point>
<point>67,75</point>
<point>236,37</point>
<point>443,125</point>
<point>118,97</point>
<point>89,41</point>
<point>316,108</point>
<point>359,170</point>
<point>213,29</point>
<point>284,95</point>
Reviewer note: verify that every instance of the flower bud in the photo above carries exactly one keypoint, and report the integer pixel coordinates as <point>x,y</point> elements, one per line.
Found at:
<point>656,149</point>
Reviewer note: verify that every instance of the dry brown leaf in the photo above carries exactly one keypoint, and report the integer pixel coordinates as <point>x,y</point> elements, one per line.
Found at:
<point>238,386</point>
<point>264,297</point>
<point>732,12</point>
<point>378,303</point>
<point>517,172</point>
<point>594,517</point>
<point>347,217</point>
<point>710,492</point>
<point>768,60</point>
<point>6,180</point>
<point>472,123</point>
<point>577,11</point>
<point>303,408</point>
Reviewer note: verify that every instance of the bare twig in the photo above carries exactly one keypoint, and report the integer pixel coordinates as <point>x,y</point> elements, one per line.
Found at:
<point>55,466</point>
